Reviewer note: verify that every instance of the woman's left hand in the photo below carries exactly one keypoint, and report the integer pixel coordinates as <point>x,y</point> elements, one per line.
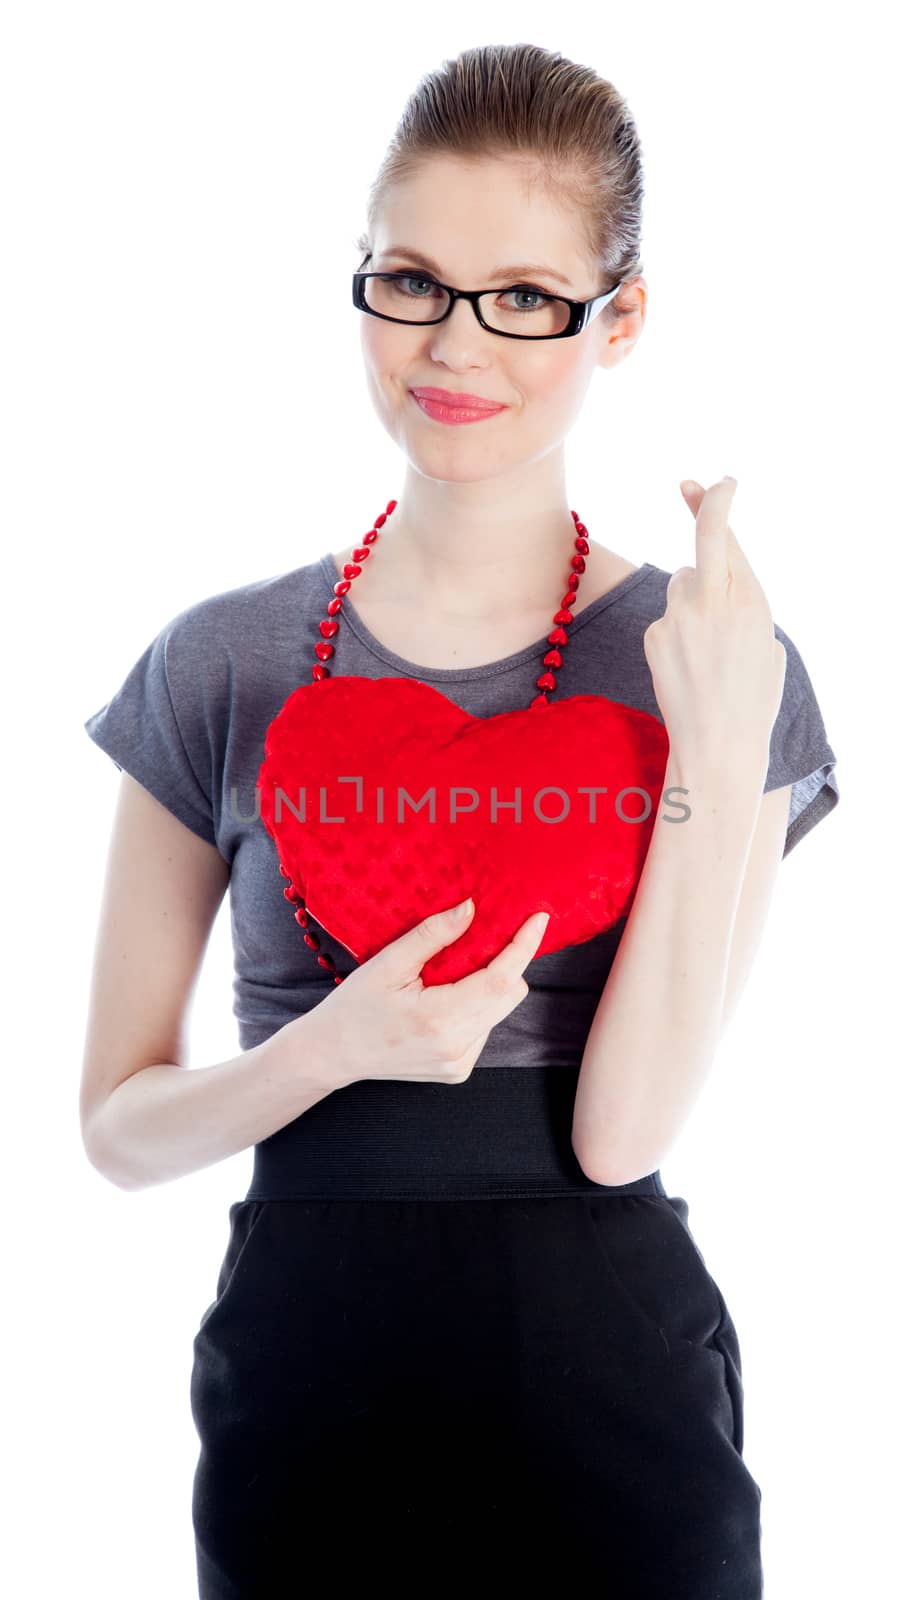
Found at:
<point>718,668</point>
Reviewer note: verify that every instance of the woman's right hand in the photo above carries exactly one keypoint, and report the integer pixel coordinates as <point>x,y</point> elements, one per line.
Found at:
<point>382,1022</point>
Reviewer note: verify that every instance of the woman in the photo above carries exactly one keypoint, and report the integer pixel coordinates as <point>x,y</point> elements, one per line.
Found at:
<point>460,1330</point>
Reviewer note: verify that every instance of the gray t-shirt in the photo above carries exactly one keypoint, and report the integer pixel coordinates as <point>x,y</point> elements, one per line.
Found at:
<point>189,721</point>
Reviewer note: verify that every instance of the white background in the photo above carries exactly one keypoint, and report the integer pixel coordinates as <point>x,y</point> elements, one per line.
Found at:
<point>185,410</point>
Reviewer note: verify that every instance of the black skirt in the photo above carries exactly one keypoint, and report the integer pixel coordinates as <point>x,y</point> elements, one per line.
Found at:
<point>490,1368</point>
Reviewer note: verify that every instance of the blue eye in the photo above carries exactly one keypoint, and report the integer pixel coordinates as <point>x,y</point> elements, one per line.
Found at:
<point>523,289</point>
<point>400,280</point>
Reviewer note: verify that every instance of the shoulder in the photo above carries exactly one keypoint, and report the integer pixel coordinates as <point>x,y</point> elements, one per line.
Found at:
<point>617,635</point>
<point>243,627</point>
<point>645,602</point>
<point>801,753</point>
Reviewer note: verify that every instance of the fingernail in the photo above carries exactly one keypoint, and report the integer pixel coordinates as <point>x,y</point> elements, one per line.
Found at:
<point>462,910</point>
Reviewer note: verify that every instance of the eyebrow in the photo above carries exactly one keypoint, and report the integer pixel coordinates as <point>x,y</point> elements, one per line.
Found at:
<point>499,273</point>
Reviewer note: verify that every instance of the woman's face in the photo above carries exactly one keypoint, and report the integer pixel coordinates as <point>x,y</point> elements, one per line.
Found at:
<point>470,219</point>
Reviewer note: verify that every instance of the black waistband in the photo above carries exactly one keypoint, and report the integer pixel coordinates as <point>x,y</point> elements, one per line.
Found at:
<point>504,1131</point>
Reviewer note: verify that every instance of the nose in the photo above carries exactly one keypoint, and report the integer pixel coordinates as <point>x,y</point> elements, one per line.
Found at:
<point>460,331</point>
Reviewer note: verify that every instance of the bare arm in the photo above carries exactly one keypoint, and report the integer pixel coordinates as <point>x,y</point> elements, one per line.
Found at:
<point>144,1117</point>
<point>684,957</point>
<point>756,896</point>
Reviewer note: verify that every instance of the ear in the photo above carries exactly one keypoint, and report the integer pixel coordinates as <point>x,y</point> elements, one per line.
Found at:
<point>625,329</point>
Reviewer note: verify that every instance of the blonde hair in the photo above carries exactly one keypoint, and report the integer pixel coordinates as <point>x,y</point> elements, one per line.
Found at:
<point>570,129</point>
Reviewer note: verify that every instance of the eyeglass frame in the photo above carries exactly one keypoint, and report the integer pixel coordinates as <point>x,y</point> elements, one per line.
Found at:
<point>582,311</point>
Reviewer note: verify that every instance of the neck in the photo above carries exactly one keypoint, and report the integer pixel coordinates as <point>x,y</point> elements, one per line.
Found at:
<point>466,548</point>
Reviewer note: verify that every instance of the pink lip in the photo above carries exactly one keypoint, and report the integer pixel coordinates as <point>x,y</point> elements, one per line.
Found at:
<point>449,397</point>
<point>453,408</point>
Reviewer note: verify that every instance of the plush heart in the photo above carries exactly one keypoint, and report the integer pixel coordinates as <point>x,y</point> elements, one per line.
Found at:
<point>378,796</point>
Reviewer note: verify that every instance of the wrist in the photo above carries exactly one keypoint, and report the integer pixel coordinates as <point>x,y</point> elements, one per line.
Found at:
<point>734,769</point>
<point>304,1049</point>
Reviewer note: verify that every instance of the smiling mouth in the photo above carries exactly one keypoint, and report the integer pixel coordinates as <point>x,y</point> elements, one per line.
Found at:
<point>455,415</point>
<point>460,402</point>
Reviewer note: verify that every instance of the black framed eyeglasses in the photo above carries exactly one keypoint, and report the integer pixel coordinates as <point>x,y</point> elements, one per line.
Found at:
<point>390,295</point>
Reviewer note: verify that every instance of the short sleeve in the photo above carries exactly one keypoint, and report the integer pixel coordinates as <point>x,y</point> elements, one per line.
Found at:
<point>154,727</point>
<point>800,753</point>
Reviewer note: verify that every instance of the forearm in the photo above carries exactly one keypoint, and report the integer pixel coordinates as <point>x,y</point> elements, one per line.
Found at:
<point>659,1018</point>
<point>166,1120</point>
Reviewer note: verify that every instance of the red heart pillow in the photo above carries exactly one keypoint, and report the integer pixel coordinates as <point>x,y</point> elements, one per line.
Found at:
<point>378,796</point>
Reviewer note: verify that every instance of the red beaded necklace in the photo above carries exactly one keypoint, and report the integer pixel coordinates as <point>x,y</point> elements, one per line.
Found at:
<point>324,650</point>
